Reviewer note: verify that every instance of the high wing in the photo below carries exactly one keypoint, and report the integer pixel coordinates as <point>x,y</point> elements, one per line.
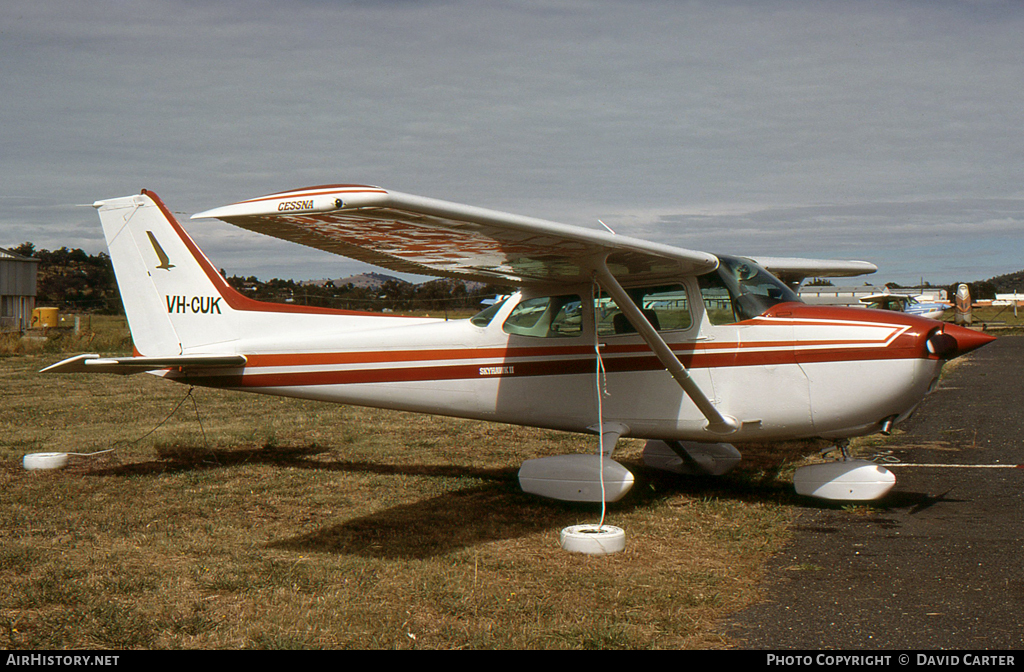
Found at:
<point>412,234</point>
<point>793,271</point>
<point>426,236</point>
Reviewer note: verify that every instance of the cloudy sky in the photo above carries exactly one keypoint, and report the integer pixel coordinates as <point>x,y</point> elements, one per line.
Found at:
<point>891,131</point>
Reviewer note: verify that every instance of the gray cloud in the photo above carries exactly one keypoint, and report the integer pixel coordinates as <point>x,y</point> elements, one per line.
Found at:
<point>880,130</point>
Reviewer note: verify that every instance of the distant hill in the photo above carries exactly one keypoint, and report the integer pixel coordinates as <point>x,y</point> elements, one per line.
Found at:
<point>373,280</point>
<point>1010,282</point>
<point>362,281</point>
<point>987,289</point>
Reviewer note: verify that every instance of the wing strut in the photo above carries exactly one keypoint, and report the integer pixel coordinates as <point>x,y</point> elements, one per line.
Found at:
<point>717,422</point>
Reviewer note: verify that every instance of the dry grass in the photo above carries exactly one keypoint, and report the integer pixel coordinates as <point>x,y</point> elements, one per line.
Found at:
<point>96,333</point>
<point>279,523</point>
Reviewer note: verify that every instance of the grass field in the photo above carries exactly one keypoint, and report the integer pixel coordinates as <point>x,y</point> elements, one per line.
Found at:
<point>225,520</point>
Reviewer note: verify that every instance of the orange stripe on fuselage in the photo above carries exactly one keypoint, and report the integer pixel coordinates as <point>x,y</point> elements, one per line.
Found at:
<point>522,362</point>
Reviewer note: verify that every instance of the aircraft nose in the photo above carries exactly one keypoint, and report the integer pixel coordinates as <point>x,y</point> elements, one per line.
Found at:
<point>951,341</point>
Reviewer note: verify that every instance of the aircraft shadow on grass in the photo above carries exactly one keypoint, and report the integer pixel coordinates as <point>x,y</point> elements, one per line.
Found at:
<point>493,510</point>
<point>499,510</point>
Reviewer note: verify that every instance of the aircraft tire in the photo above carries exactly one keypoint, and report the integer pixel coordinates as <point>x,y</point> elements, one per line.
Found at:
<point>593,539</point>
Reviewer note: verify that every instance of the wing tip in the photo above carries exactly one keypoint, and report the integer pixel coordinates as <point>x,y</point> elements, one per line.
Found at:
<point>320,198</point>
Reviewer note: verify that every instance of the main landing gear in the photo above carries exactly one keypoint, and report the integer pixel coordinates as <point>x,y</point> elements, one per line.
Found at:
<point>578,478</point>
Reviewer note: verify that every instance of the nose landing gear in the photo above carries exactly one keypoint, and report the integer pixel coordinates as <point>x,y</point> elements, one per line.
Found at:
<point>844,479</point>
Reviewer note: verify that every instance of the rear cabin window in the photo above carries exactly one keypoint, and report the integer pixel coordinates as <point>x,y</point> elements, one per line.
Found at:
<point>547,317</point>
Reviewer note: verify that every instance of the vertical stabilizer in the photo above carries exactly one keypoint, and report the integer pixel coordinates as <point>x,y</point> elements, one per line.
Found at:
<point>963,305</point>
<point>172,295</point>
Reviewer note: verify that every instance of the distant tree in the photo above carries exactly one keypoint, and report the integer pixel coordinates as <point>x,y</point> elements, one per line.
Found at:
<point>983,290</point>
<point>25,250</point>
<point>70,279</point>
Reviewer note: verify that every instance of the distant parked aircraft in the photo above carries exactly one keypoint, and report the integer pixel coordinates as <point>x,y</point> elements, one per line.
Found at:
<point>906,304</point>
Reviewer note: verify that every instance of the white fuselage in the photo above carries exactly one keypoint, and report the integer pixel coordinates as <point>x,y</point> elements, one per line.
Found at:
<point>807,371</point>
<point>768,369</point>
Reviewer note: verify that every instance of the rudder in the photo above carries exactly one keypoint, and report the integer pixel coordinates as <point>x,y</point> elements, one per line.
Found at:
<point>172,295</point>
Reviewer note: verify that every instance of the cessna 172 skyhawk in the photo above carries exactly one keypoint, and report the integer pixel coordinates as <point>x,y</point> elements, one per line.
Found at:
<point>606,334</point>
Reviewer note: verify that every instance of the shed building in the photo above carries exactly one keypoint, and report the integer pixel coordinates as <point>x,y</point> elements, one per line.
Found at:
<point>851,296</point>
<point>17,290</point>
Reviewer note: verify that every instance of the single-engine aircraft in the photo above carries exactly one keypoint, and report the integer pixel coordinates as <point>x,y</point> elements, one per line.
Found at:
<point>604,333</point>
<point>903,303</point>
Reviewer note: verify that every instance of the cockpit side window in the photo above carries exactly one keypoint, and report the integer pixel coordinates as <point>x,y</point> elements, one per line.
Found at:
<point>665,307</point>
<point>739,290</point>
<point>717,299</point>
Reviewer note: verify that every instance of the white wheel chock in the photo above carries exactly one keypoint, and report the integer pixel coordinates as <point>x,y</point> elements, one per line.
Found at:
<point>34,461</point>
<point>593,539</point>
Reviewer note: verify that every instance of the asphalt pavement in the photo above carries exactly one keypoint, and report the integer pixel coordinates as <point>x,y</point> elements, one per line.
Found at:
<point>939,562</point>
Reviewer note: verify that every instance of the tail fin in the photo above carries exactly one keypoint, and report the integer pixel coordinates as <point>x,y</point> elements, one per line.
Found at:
<point>962,314</point>
<point>173,296</point>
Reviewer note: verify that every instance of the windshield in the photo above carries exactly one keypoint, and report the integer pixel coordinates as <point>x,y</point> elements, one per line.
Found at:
<point>739,289</point>
<point>484,317</point>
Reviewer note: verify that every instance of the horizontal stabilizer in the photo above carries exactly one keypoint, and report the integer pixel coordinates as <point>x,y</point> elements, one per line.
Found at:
<point>128,365</point>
